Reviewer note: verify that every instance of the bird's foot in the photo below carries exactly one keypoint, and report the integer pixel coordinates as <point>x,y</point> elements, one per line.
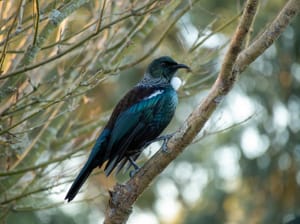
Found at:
<point>165,139</point>
<point>135,166</point>
<point>133,172</point>
<point>164,147</point>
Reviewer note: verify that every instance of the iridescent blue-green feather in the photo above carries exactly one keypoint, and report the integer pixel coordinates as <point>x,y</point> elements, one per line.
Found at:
<point>95,159</point>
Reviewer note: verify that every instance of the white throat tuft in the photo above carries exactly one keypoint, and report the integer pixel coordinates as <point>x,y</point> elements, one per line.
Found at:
<point>176,83</point>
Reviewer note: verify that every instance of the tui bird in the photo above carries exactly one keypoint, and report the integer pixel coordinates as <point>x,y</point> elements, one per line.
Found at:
<point>137,120</point>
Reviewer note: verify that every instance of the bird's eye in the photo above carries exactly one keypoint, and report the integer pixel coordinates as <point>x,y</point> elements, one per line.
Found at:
<point>163,63</point>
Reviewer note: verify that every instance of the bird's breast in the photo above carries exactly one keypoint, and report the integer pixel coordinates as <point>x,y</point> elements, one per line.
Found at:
<point>166,106</point>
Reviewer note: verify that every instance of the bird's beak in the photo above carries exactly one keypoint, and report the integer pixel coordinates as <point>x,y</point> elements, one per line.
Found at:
<point>178,66</point>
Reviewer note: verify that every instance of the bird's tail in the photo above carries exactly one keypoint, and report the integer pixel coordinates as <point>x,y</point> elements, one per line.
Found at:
<point>80,179</point>
<point>96,158</point>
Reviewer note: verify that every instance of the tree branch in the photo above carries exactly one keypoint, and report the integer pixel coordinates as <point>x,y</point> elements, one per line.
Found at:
<point>267,38</point>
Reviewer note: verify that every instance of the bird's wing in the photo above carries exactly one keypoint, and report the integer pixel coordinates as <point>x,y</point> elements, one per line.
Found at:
<point>130,124</point>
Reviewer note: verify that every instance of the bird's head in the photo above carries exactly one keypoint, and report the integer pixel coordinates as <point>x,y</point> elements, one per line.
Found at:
<point>164,68</point>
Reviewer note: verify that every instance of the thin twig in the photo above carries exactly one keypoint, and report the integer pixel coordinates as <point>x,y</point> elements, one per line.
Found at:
<point>73,47</point>
<point>162,37</point>
<point>36,15</point>
<point>45,164</point>
<point>218,29</point>
<point>3,53</point>
<point>21,13</point>
<point>101,17</point>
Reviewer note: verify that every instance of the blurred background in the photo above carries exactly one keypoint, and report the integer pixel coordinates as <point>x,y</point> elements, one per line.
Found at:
<point>65,64</point>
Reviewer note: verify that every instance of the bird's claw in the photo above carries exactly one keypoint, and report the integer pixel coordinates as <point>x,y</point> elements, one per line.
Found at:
<point>164,148</point>
<point>135,166</point>
<point>166,138</point>
<point>133,172</point>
